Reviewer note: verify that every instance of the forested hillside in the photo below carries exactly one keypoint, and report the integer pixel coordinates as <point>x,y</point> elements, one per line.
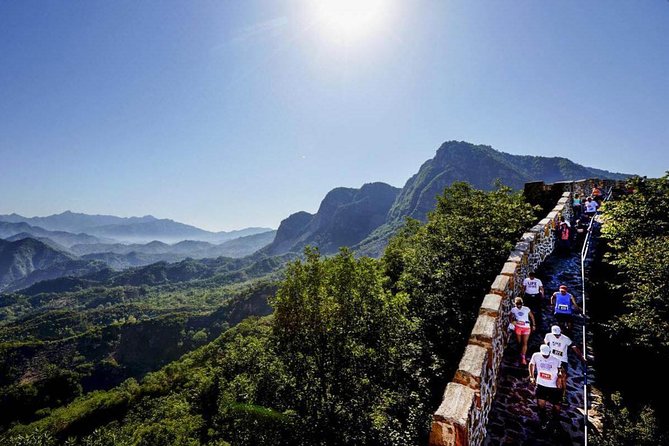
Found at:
<point>27,261</point>
<point>631,315</point>
<point>356,352</point>
<point>67,337</point>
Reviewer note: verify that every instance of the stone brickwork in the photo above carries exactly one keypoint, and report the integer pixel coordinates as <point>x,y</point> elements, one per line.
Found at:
<point>462,417</point>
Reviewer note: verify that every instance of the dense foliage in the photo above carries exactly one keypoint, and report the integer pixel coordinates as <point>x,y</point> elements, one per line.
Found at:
<point>106,335</point>
<point>348,345</point>
<point>635,315</point>
<point>356,352</point>
<point>446,265</point>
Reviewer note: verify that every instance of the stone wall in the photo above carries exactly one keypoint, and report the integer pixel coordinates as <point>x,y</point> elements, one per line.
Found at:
<point>545,195</point>
<point>463,414</point>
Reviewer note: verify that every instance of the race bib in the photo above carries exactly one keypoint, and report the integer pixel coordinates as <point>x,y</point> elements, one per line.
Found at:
<point>557,352</point>
<point>545,375</point>
<point>563,307</point>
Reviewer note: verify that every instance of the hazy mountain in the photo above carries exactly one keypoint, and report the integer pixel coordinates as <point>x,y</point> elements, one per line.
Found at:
<point>120,256</point>
<point>128,230</point>
<point>74,222</point>
<point>27,261</point>
<point>66,239</point>
<point>211,272</point>
<point>154,247</point>
<point>243,246</point>
<point>163,230</point>
<point>47,241</point>
<point>167,231</point>
<point>118,261</point>
<point>345,217</point>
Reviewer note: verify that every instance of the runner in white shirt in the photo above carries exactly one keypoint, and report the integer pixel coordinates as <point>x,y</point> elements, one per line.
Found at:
<point>533,294</point>
<point>559,344</point>
<point>549,380</point>
<point>523,322</point>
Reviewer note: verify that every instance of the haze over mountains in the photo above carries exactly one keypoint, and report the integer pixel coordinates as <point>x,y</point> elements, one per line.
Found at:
<point>364,219</point>
<point>32,253</point>
<point>27,261</point>
<point>109,228</point>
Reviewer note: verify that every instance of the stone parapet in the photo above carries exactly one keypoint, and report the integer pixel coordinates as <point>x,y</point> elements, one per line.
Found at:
<point>463,414</point>
<point>452,420</point>
<point>492,305</point>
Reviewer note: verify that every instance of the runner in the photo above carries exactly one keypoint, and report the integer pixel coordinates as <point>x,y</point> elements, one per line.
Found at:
<point>563,235</point>
<point>523,322</point>
<point>533,294</point>
<point>550,382</point>
<point>563,304</point>
<point>581,227</point>
<point>559,344</point>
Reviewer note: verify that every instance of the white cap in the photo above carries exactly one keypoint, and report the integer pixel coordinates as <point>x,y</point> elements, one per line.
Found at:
<point>555,329</point>
<point>545,350</point>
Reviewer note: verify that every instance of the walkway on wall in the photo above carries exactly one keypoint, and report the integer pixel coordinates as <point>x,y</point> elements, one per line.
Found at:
<point>513,417</point>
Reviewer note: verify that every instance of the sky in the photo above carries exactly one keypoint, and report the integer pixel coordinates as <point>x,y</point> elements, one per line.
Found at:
<point>228,114</point>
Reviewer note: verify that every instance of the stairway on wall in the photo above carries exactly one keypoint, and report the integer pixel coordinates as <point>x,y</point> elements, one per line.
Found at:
<point>513,418</point>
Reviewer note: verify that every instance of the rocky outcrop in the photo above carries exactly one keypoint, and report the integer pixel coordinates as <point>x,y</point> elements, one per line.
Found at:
<point>345,217</point>
<point>479,165</point>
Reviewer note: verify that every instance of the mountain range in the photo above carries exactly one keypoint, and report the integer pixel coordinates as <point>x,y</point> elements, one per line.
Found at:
<point>27,261</point>
<point>363,219</point>
<point>344,219</point>
<point>109,228</point>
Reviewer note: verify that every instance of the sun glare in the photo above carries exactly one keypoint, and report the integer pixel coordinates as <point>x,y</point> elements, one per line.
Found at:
<point>350,20</point>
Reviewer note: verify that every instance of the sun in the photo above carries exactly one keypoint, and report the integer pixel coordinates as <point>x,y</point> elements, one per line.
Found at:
<point>350,20</point>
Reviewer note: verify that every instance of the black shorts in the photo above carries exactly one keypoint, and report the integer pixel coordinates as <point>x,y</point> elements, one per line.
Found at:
<point>563,318</point>
<point>551,394</point>
<point>533,301</point>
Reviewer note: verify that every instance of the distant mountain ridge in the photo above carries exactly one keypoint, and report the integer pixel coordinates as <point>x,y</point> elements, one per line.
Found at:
<point>28,261</point>
<point>74,221</point>
<point>127,229</point>
<point>480,165</point>
<point>119,256</point>
<point>116,256</point>
<point>66,239</point>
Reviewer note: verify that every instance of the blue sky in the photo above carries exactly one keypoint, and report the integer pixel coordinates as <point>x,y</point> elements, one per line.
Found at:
<point>226,114</point>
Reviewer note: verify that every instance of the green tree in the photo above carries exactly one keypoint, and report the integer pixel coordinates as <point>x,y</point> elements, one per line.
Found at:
<point>622,428</point>
<point>344,340</point>
<point>637,232</point>
<point>634,320</point>
<point>446,267</point>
